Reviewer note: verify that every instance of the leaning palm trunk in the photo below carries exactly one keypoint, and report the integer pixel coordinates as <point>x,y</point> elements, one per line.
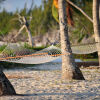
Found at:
<point>96,25</point>
<point>69,68</point>
<point>99,11</point>
<point>5,86</point>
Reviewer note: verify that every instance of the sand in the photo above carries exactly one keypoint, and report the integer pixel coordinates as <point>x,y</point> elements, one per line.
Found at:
<point>47,85</point>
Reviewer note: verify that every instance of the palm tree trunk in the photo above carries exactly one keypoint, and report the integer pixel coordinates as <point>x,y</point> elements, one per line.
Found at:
<point>5,86</point>
<point>96,25</point>
<point>69,68</point>
<point>99,11</point>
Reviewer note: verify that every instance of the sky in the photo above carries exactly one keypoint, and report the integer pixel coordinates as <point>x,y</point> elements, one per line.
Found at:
<point>11,5</point>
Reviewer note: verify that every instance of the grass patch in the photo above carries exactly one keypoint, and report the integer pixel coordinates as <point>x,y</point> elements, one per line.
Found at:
<point>27,46</point>
<point>38,48</point>
<point>2,48</point>
<point>95,59</point>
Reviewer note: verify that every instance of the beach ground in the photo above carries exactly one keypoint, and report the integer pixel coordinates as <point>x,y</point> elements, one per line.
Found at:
<point>47,85</point>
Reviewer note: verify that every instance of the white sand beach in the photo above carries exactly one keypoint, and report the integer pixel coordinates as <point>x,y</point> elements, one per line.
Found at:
<point>39,83</point>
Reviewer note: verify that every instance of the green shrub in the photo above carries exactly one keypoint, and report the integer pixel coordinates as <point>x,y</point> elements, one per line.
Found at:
<point>2,48</point>
<point>27,46</point>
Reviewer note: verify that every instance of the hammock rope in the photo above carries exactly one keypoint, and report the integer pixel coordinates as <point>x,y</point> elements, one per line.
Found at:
<point>19,54</point>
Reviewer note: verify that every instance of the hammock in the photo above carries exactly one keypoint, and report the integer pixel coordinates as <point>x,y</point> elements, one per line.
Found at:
<point>19,54</point>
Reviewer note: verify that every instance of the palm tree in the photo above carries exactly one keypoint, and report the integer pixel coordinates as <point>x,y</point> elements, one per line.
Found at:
<point>5,86</point>
<point>69,68</point>
<point>99,11</point>
<point>96,25</point>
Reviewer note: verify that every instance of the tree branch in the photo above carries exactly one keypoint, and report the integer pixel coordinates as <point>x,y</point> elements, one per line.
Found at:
<point>75,6</point>
<point>18,32</point>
